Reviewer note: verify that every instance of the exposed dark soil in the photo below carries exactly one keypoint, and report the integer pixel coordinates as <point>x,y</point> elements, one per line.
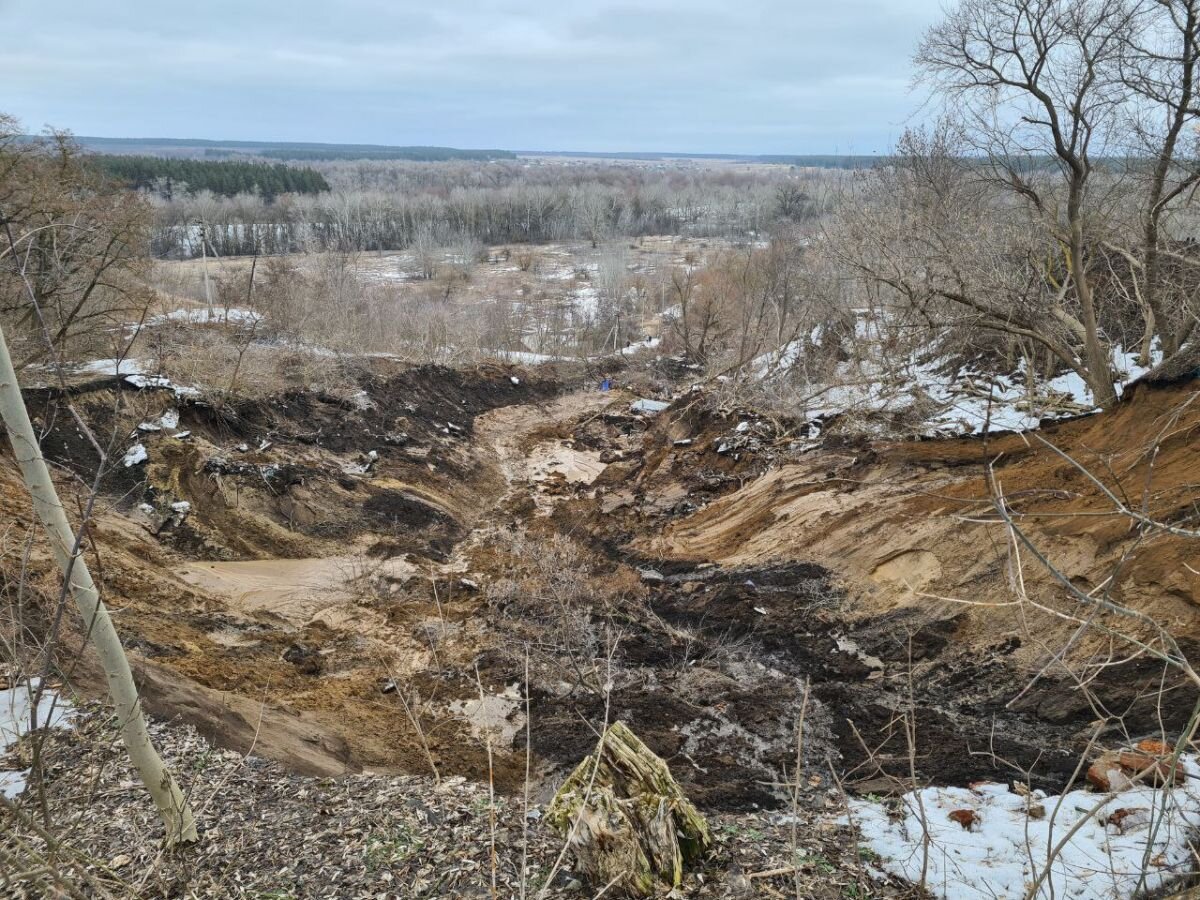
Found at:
<point>670,611</point>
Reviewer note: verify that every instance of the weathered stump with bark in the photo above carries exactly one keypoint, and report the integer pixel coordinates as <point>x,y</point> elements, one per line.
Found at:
<point>626,819</point>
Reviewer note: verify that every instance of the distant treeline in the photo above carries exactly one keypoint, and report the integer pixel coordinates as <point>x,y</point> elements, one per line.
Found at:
<point>811,160</point>
<point>189,148</point>
<point>225,178</point>
<point>414,154</point>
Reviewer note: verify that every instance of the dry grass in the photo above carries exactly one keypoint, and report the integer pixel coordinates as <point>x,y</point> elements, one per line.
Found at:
<point>545,299</point>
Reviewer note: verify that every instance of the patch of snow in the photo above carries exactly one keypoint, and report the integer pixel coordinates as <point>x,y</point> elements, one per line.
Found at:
<point>1008,846</point>
<point>114,367</point>
<point>361,400</point>
<point>136,373</point>
<point>525,357</point>
<point>159,381</point>
<point>208,317</point>
<point>135,455</point>
<point>849,645</point>
<point>586,300</point>
<point>963,401</point>
<point>170,419</point>
<point>16,703</point>
<point>777,360</point>
<point>650,407</point>
<point>648,344</point>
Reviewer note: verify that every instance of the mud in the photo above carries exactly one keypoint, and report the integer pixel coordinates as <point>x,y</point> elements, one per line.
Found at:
<point>358,569</point>
<point>295,591</point>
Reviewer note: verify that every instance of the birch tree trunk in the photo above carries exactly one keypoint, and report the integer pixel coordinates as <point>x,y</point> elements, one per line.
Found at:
<point>172,806</point>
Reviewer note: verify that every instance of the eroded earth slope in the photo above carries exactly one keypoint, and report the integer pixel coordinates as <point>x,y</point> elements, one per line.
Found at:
<point>394,580</point>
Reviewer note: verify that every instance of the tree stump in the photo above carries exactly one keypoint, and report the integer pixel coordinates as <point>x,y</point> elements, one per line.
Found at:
<point>626,819</point>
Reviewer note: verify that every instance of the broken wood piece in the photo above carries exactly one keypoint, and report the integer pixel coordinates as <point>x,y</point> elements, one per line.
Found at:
<point>626,819</point>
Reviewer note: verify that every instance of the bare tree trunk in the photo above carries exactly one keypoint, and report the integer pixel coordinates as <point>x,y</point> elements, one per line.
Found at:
<point>1179,98</point>
<point>1099,361</point>
<point>204,263</point>
<point>173,807</point>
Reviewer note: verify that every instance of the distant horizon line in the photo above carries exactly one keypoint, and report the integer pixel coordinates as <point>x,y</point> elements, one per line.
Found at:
<point>216,143</point>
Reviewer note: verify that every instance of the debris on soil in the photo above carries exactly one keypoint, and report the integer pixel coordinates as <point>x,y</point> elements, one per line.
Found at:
<point>269,832</point>
<point>964,817</point>
<point>1119,770</point>
<point>135,455</point>
<point>626,819</point>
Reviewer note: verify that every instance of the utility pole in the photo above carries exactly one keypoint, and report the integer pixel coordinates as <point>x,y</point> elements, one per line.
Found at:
<point>204,264</point>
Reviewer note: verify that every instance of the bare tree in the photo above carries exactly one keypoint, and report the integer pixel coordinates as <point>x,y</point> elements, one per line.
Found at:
<point>67,245</point>
<point>957,253</point>
<point>1160,64</point>
<point>425,246</point>
<point>81,243</point>
<point>1034,80</point>
<point>612,282</point>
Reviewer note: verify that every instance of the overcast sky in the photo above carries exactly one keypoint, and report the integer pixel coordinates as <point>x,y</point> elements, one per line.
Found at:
<point>725,76</point>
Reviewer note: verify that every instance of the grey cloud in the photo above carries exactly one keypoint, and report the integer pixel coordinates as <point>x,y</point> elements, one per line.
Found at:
<point>751,76</point>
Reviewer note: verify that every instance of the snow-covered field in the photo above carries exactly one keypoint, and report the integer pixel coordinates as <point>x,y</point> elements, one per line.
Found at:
<point>1011,839</point>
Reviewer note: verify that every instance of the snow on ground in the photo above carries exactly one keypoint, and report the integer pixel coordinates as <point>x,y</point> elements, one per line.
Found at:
<point>651,407</point>
<point>525,357</point>
<point>586,300</point>
<point>775,361</point>
<point>1009,844</point>
<point>135,372</point>
<point>648,344</point>
<point>206,316</point>
<point>115,367</point>
<point>965,400</point>
<point>15,705</point>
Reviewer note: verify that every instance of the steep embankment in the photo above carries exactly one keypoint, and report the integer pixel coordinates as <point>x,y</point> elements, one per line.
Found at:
<point>258,554</point>
<point>905,523</point>
<point>363,582</point>
<point>929,568</point>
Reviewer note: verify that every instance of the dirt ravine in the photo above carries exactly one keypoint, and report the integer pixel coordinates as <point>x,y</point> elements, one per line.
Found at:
<point>352,576</point>
<point>306,590</point>
<point>506,433</point>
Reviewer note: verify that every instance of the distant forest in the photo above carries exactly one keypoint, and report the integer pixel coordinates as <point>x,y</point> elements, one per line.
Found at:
<point>225,178</point>
<point>195,148</point>
<point>413,154</point>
